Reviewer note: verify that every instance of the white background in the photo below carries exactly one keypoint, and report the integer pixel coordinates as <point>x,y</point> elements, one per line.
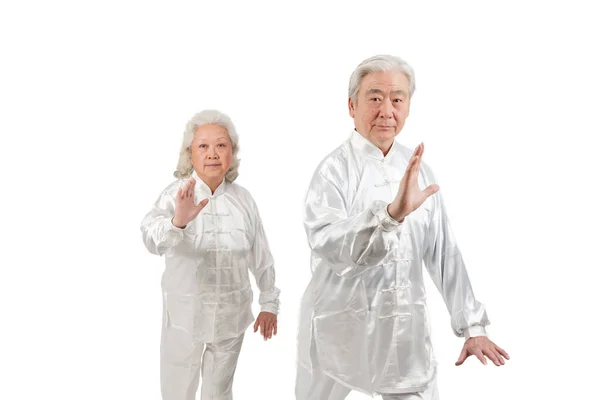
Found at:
<point>95,97</point>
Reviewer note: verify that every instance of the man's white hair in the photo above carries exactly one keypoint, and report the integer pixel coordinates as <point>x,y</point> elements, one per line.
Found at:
<point>380,63</point>
<point>206,117</point>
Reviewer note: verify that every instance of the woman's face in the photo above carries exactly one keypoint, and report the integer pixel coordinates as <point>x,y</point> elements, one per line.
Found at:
<point>212,152</point>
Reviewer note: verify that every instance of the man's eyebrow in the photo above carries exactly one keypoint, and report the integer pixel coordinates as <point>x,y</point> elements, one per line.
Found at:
<point>379,91</point>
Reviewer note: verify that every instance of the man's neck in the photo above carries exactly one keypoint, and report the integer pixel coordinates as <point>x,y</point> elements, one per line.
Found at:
<point>384,147</point>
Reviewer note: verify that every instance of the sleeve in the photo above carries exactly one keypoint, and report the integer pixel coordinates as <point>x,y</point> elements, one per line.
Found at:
<point>158,232</point>
<point>349,245</point>
<point>445,265</point>
<point>262,267</point>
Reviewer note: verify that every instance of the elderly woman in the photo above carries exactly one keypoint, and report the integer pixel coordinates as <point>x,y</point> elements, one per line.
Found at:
<point>211,234</point>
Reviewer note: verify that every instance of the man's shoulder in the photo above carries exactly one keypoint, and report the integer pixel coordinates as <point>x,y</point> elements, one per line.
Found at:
<point>336,159</point>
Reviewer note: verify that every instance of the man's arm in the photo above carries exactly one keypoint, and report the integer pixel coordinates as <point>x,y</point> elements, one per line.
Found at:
<point>444,263</point>
<point>352,244</point>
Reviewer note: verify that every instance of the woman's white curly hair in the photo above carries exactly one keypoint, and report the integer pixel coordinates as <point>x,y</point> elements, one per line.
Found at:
<point>184,166</point>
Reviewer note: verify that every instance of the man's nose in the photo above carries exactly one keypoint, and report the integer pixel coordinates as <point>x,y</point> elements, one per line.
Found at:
<point>387,109</point>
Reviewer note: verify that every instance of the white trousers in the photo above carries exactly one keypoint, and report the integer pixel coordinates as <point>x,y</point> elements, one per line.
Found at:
<point>182,362</point>
<point>318,386</point>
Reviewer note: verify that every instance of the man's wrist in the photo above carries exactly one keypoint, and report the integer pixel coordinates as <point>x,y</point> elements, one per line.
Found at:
<point>394,213</point>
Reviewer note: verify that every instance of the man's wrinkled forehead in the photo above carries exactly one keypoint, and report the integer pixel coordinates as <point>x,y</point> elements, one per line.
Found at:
<point>392,82</point>
<point>381,92</point>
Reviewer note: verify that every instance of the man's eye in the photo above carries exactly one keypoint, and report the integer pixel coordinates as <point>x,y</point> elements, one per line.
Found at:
<point>202,146</point>
<point>375,99</point>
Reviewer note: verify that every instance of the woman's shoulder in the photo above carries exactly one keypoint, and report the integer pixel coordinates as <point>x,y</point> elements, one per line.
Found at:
<point>239,191</point>
<point>172,188</point>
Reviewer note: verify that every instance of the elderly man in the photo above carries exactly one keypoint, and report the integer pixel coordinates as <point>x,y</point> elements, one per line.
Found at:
<point>364,323</point>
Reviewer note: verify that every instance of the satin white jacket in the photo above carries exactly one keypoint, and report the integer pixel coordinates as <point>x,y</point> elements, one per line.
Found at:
<point>206,287</point>
<point>364,319</point>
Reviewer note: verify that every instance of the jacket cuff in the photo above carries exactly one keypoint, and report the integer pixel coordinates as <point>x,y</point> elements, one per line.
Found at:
<point>386,222</point>
<point>475,330</point>
<point>175,228</point>
<point>174,235</point>
<point>270,307</point>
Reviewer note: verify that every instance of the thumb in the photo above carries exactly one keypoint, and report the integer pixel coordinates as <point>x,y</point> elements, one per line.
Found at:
<point>202,204</point>
<point>462,357</point>
<point>256,325</point>
<point>431,189</point>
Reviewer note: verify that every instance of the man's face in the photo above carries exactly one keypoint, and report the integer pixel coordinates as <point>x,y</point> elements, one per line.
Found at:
<point>211,152</point>
<point>381,107</point>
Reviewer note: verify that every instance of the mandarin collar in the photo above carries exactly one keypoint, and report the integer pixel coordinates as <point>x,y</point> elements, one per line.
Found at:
<point>203,190</point>
<point>368,149</point>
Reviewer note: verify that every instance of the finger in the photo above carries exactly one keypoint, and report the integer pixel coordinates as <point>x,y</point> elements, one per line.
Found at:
<point>498,356</point>
<point>462,357</point>
<point>420,156</point>
<point>199,207</point>
<point>256,326</point>
<point>417,165</point>
<point>504,353</point>
<point>481,357</point>
<point>409,174</point>
<point>410,163</point>
<point>420,149</point>
<point>430,190</point>
<point>180,194</point>
<point>275,328</point>
<point>263,330</point>
<point>413,166</point>
<point>490,354</point>
<point>413,158</point>
<point>202,204</point>
<point>270,329</point>
<point>266,330</point>
<point>416,151</point>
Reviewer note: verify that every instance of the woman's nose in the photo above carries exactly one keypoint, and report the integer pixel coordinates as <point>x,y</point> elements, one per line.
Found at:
<point>212,153</point>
